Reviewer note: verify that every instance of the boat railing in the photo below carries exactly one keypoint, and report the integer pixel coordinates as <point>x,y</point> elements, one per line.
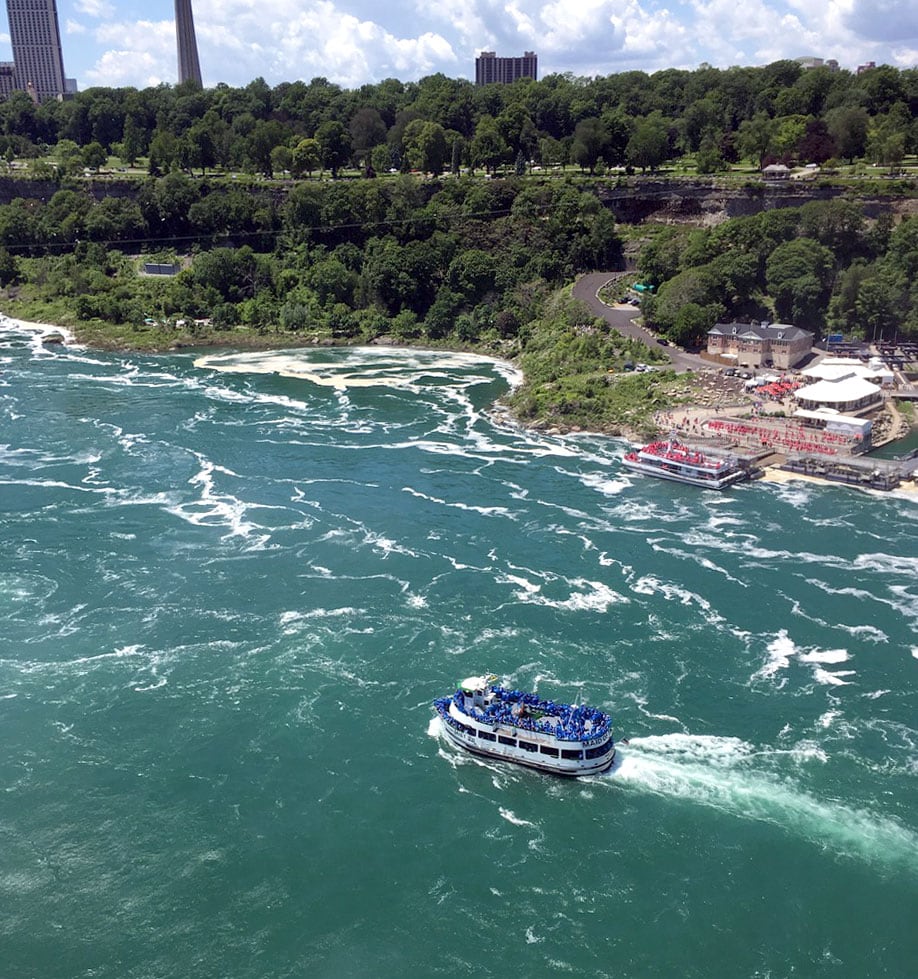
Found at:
<point>565,722</point>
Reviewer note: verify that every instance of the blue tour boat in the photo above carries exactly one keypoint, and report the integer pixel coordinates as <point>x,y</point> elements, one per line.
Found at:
<point>511,725</point>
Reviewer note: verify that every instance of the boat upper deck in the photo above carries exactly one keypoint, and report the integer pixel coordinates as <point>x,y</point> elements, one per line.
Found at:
<point>527,711</point>
<point>676,452</point>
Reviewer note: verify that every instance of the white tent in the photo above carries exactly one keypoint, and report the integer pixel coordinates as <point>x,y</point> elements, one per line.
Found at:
<point>835,421</point>
<point>844,393</point>
<point>839,367</point>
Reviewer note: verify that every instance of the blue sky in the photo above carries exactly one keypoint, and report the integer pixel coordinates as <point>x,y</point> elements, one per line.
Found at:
<point>352,42</point>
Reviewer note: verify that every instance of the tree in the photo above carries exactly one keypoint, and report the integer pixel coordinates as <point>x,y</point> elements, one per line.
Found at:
<point>281,158</point>
<point>799,276</point>
<point>69,157</point>
<point>648,145</point>
<point>692,324</point>
<point>589,138</point>
<point>517,130</point>
<point>305,158</point>
<point>367,130</point>
<point>755,136</point>
<point>709,158</point>
<point>201,150</point>
<point>115,219</point>
<point>334,146</point>
<point>488,148</point>
<point>9,268</point>
<point>262,140</point>
<point>164,152</point>
<point>817,144</point>
<point>132,142</point>
<point>426,147</point>
<point>551,152</point>
<point>876,309</point>
<point>788,135</point>
<point>848,127</point>
<point>94,156</point>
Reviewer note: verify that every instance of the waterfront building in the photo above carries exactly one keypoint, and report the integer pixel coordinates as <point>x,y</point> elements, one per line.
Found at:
<point>759,344</point>
<point>489,69</point>
<point>833,368</point>
<point>38,60</point>
<point>848,394</point>
<point>189,68</point>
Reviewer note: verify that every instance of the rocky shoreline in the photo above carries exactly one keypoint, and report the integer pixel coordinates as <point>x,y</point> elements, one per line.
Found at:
<point>688,421</point>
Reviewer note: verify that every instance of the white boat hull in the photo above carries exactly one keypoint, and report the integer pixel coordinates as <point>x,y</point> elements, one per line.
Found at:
<point>677,476</point>
<point>504,744</point>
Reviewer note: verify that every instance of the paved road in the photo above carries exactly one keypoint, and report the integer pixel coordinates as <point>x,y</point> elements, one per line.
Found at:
<point>587,287</point>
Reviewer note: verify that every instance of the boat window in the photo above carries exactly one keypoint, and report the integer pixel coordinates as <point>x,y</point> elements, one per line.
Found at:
<point>549,751</point>
<point>597,750</point>
<point>571,755</point>
<point>527,746</point>
<point>510,741</point>
<point>486,736</point>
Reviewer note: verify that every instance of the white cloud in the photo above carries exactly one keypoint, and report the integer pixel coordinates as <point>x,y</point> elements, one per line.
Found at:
<point>884,20</point>
<point>95,8</point>
<point>117,69</point>
<point>353,42</point>
<point>74,27</point>
<point>143,54</point>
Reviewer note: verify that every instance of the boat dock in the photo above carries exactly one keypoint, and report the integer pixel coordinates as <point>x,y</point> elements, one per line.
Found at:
<point>862,472</point>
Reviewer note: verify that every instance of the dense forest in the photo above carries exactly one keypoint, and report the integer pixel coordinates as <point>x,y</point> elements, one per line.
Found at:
<point>819,266</point>
<point>308,213</point>
<point>777,112</point>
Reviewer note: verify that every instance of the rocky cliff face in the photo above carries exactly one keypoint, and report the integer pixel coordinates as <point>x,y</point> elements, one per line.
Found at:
<point>705,203</point>
<point>696,202</point>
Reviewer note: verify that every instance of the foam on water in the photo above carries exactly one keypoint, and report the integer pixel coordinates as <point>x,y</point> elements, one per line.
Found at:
<point>583,595</point>
<point>229,599</point>
<point>24,590</point>
<point>604,484</point>
<point>511,817</point>
<point>825,656</point>
<point>720,773</point>
<point>833,679</point>
<point>783,651</point>
<point>651,585</point>
<point>489,511</point>
<point>343,368</point>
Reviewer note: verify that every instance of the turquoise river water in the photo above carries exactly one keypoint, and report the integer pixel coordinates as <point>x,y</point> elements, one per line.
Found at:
<point>231,589</point>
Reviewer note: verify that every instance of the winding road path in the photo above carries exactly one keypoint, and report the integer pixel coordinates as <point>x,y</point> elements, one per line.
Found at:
<point>622,319</point>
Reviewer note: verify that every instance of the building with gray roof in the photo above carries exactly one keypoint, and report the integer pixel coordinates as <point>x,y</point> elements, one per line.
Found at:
<point>759,344</point>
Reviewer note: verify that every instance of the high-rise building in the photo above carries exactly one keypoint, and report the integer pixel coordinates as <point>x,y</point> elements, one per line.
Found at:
<point>35,37</point>
<point>489,68</point>
<point>189,68</point>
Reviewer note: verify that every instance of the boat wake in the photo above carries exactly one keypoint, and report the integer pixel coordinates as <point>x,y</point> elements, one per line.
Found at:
<point>721,773</point>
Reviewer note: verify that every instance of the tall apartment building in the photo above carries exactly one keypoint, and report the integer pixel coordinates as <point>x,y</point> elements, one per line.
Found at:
<point>490,69</point>
<point>35,37</point>
<point>189,68</point>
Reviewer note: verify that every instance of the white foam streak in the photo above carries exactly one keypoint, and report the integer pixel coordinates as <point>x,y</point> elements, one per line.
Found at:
<point>828,678</point>
<point>511,817</point>
<point>782,651</point>
<point>490,511</point>
<point>825,656</point>
<point>585,595</point>
<point>343,368</point>
<point>718,773</point>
